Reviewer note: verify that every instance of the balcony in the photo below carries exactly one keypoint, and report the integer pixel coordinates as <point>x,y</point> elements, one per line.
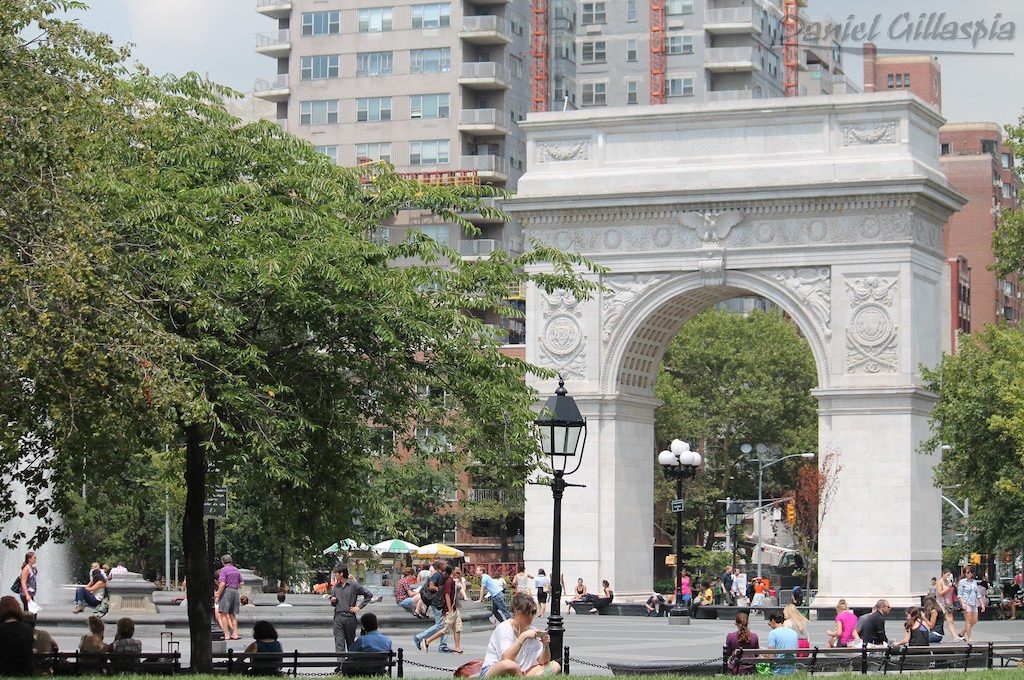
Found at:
<point>274,90</point>
<point>496,495</point>
<point>729,95</point>
<point>484,75</point>
<point>488,168</point>
<point>730,59</point>
<point>489,3</point>
<point>486,30</point>
<point>479,248</point>
<point>275,9</point>
<point>484,121</point>
<point>274,44</point>
<point>478,218</point>
<point>732,21</point>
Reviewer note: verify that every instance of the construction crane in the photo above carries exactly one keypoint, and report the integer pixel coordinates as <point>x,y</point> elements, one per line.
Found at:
<point>539,69</point>
<point>791,46</point>
<point>657,51</point>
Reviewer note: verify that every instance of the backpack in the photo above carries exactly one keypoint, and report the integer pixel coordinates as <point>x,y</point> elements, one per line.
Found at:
<point>438,600</point>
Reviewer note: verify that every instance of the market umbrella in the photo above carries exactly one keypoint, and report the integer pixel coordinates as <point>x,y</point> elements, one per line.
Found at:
<point>439,550</point>
<point>333,549</point>
<point>394,546</point>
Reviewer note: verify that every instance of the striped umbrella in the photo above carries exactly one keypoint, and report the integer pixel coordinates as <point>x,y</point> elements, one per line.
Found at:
<point>394,546</point>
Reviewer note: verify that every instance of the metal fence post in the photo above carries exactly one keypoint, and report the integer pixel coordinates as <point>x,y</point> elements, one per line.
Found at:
<point>565,660</point>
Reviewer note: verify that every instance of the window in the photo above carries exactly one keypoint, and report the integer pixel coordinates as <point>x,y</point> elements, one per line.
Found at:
<point>890,80</point>
<point>631,92</point>
<point>594,51</point>
<point>432,16</point>
<point>374,63</point>
<point>428,152</point>
<point>377,151</point>
<point>679,44</point>
<point>438,232</point>
<point>989,146</point>
<point>564,88</point>
<point>631,14</point>
<point>331,151</point>
<point>321,23</point>
<point>430,106</point>
<point>946,149</point>
<point>373,109</point>
<point>319,67</point>
<point>595,94</point>
<point>1007,191</point>
<point>594,13</point>
<point>678,7</point>
<point>318,112</point>
<point>434,60</point>
<point>899,80</point>
<point>679,87</point>
<point>1007,161</point>
<point>906,80</point>
<point>515,66</point>
<point>375,20</point>
<point>631,49</point>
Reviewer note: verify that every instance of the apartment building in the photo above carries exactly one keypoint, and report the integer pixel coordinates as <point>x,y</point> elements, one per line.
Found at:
<point>435,88</point>
<point>979,164</point>
<point>714,50</point>
<point>919,73</point>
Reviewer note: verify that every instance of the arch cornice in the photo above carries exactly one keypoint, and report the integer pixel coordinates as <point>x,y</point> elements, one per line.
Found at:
<point>662,289</point>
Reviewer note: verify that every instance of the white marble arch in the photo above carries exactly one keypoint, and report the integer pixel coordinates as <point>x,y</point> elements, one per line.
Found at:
<point>830,207</point>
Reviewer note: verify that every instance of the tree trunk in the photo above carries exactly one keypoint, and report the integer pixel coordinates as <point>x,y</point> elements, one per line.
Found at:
<point>197,565</point>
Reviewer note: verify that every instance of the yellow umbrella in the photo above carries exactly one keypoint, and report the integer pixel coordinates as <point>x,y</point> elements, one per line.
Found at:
<point>438,550</point>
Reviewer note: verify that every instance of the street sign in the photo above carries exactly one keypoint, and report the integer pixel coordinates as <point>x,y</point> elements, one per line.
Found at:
<point>216,505</point>
<point>677,505</point>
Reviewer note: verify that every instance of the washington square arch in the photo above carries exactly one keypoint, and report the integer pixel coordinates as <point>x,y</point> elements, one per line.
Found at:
<point>830,207</point>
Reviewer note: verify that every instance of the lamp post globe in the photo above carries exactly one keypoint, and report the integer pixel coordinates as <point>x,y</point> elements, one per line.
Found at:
<point>562,434</point>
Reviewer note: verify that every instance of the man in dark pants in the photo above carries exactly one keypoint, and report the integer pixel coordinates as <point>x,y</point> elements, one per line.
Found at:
<point>871,627</point>
<point>432,595</point>
<point>344,595</point>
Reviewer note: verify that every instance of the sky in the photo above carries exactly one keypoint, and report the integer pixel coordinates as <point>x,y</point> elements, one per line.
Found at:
<point>216,38</point>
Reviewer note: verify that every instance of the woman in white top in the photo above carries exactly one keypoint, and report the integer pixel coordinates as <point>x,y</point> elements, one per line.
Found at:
<point>542,583</point>
<point>516,647</point>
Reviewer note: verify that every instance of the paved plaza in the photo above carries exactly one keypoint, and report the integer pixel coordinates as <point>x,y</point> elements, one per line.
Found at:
<point>596,639</point>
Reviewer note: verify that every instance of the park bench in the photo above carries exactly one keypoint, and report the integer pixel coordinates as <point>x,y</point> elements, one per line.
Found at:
<point>815,659</point>
<point>1006,653</point>
<point>310,663</point>
<point>952,657</point>
<point>107,663</point>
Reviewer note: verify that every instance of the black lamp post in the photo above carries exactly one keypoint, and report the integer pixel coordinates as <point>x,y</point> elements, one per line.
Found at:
<point>518,543</point>
<point>562,432</point>
<point>733,518</point>
<point>679,463</point>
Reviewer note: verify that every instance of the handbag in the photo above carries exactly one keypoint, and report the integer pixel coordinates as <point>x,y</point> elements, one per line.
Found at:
<point>16,586</point>
<point>470,669</point>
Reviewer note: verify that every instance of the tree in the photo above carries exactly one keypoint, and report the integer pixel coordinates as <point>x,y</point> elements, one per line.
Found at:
<point>979,421</point>
<point>173,278</point>
<point>813,494</point>
<point>728,379</point>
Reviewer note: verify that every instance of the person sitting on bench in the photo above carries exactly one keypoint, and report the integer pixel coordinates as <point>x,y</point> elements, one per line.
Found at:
<point>601,602</point>
<point>655,604</point>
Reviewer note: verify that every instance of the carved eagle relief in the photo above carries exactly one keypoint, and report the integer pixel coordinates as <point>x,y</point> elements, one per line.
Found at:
<point>712,226</point>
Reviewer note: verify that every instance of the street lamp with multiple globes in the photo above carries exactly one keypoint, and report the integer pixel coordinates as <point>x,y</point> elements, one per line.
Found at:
<point>764,462</point>
<point>679,463</point>
<point>562,431</point>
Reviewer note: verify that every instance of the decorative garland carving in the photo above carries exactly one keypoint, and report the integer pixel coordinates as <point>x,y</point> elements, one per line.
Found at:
<point>872,338</point>
<point>868,135</point>
<point>563,150</point>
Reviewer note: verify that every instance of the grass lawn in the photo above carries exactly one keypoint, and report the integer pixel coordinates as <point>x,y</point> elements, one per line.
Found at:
<point>995,674</point>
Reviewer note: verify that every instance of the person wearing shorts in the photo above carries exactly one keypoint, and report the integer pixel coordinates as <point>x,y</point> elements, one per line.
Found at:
<point>947,596</point>
<point>517,648</point>
<point>226,599</point>
<point>971,601</point>
<point>542,583</point>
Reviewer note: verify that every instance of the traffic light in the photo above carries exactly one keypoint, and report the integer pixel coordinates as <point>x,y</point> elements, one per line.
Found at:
<point>791,512</point>
<point>975,558</point>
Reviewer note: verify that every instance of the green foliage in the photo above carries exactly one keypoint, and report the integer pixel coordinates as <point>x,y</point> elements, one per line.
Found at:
<point>173,278</point>
<point>1008,241</point>
<point>980,417</point>
<point>729,379</point>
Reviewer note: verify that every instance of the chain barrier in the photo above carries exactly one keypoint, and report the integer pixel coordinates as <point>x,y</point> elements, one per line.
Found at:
<point>715,660</point>
<point>573,659</point>
<point>407,662</point>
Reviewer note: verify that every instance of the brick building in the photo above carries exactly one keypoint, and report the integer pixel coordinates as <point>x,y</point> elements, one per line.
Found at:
<point>921,74</point>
